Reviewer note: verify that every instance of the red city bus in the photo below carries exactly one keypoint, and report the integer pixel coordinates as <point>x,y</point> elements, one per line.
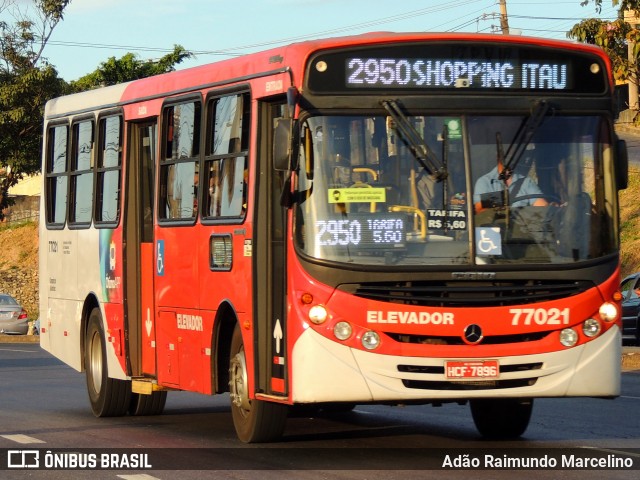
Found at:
<point>385,218</point>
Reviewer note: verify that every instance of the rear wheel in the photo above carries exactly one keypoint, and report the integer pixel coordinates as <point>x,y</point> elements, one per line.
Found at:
<point>501,418</point>
<point>254,420</point>
<point>109,397</point>
<point>147,404</point>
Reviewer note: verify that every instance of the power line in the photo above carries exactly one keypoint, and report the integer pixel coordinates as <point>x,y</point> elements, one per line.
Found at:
<point>239,50</point>
<point>230,51</point>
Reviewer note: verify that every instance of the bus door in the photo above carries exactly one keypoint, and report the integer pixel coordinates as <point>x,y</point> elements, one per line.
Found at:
<point>270,279</point>
<point>138,252</point>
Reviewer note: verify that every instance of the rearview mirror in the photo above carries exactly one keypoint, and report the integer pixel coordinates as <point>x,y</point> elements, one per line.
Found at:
<point>622,165</point>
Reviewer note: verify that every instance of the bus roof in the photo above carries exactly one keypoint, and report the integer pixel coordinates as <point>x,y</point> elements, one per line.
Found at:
<point>289,58</point>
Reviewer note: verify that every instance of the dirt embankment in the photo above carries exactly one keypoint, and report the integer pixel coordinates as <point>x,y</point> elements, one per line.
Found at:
<point>19,265</point>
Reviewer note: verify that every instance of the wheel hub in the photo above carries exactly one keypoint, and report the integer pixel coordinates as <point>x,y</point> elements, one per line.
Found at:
<point>238,385</point>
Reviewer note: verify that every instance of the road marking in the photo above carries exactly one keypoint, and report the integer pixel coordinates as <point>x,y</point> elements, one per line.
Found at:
<point>611,450</point>
<point>14,350</point>
<point>22,439</point>
<point>140,476</point>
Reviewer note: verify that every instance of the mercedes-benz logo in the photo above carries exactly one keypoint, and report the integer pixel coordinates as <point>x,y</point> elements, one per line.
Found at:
<point>473,333</point>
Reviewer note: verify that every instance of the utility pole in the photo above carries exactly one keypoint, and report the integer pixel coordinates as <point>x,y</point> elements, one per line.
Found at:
<point>504,20</point>
<point>632,19</point>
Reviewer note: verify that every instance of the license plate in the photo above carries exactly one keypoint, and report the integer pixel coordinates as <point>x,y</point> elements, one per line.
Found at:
<point>472,369</point>
<point>6,316</point>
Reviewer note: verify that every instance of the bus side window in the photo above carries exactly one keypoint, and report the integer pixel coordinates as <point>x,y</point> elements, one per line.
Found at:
<point>179,166</point>
<point>226,158</point>
<point>109,165</point>
<point>57,176</point>
<point>81,198</point>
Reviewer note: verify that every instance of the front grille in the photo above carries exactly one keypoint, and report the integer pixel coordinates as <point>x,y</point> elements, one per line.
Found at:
<point>472,385</point>
<point>468,384</point>
<point>451,340</point>
<point>490,293</point>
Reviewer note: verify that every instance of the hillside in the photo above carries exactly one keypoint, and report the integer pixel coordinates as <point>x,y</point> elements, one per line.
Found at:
<point>19,265</point>
<point>19,249</point>
<point>630,224</point>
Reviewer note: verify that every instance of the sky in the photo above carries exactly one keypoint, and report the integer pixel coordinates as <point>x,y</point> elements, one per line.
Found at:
<point>94,30</point>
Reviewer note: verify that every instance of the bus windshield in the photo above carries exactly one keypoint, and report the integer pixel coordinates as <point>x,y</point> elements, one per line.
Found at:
<point>458,194</point>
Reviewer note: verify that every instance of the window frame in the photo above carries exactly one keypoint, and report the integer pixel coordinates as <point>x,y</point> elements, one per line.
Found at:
<point>51,174</point>
<point>75,173</point>
<point>166,161</point>
<point>101,170</point>
<point>209,157</point>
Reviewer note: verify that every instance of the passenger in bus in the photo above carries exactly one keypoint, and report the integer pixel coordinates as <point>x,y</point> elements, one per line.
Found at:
<point>519,186</point>
<point>214,192</point>
<point>431,192</point>
<point>342,171</point>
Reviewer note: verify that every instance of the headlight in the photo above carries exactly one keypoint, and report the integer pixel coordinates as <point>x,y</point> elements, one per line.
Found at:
<point>342,330</point>
<point>317,314</point>
<point>608,312</point>
<point>568,337</point>
<point>370,340</point>
<point>591,327</point>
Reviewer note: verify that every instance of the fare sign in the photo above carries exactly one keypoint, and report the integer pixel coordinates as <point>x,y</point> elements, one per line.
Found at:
<point>472,369</point>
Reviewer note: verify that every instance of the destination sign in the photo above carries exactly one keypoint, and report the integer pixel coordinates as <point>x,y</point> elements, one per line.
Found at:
<point>422,73</point>
<point>459,66</point>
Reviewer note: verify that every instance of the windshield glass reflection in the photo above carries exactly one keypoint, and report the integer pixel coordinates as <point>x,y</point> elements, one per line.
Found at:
<point>370,196</point>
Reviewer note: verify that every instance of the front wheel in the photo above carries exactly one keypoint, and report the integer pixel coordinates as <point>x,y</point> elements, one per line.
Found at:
<point>501,418</point>
<point>254,420</point>
<point>109,397</point>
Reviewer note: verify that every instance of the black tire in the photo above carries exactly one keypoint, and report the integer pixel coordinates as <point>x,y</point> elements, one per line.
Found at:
<point>254,420</point>
<point>336,407</point>
<point>143,405</point>
<point>501,418</point>
<point>109,397</point>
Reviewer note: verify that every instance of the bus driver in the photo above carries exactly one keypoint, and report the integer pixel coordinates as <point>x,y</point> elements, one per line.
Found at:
<point>519,186</point>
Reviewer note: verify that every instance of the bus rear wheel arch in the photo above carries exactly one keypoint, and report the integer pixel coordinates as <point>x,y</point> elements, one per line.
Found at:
<point>254,420</point>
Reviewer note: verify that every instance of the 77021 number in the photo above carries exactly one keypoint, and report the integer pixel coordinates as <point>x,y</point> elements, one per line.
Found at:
<point>539,316</point>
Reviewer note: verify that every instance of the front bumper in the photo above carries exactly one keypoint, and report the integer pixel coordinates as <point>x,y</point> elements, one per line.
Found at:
<point>327,371</point>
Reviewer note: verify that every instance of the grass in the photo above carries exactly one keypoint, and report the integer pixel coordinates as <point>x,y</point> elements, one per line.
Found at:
<point>630,224</point>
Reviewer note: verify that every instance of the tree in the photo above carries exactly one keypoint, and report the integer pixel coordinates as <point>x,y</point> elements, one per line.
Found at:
<point>614,37</point>
<point>611,36</point>
<point>27,81</point>
<point>130,67</point>
<point>624,4</point>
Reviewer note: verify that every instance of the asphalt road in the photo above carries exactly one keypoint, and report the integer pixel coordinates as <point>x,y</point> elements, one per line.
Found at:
<point>44,408</point>
<point>632,137</point>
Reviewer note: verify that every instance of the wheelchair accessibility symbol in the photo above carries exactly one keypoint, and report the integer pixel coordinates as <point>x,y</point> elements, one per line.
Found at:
<point>488,241</point>
<point>160,258</point>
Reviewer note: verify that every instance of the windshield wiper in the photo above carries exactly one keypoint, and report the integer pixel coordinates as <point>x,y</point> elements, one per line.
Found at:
<point>522,139</point>
<point>414,140</point>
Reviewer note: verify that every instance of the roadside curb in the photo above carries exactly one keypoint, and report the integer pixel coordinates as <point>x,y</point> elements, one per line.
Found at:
<point>19,339</point>
<point>631,358</point>
<point>630,355</point>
